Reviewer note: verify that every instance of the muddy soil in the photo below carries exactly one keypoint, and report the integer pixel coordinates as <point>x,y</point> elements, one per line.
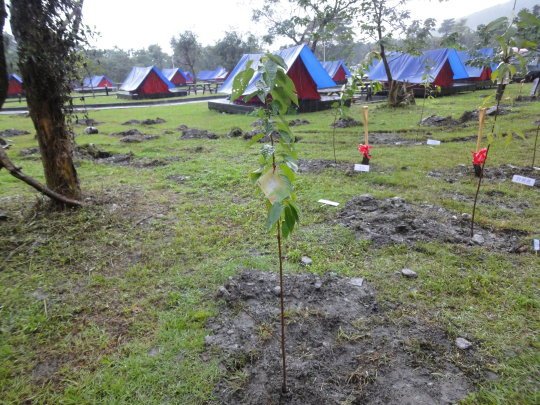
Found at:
<point>296,122</point>
<point>7,133</point>
<point>492,198</point>
<point>394,220</point>
<point>148,121</point>
<point>438,121</point>
<point>194,133</point>
<point>491,174</point>
<point>346,122</point>
<point>319,165</point>
<point>129,132</point>
<point>342,347</point>
<point>138,138</point>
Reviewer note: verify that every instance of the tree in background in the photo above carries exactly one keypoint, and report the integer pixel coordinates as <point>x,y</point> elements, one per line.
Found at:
<point>228,50</point>
<point>307,21</point>
<point>151,56</point>
<point>187,51</point>
<point>10,51</point>
<point>381,20</point>
<point>456,34</point>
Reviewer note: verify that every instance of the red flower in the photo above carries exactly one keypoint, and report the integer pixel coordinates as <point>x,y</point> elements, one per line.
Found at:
<point>479,157</point>
<point>364,150</point>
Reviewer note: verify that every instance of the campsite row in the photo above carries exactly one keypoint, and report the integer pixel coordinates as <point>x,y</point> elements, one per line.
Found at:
<point>314,80</point>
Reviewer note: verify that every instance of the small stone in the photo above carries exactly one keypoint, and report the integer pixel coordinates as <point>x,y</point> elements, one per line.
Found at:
<point>478,239</point>
<point>276,290</point>
<point>3,216</point>
<point>154,351</point>
<point>358,281</point>
<point>462,343</point>
<point>208,340</point>
<point>91,130</point>
<point>466,216</point>
<point>409,273</point>
<point>223,292</point>
<point>306,261</point>
<point>318,284</point>
<point>230,332</point>
<point>114,207</point>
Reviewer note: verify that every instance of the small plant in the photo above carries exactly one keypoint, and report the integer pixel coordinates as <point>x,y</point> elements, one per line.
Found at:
<point>276,173</point>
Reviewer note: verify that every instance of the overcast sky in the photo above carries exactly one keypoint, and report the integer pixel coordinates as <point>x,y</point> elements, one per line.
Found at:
<point>133,24</point>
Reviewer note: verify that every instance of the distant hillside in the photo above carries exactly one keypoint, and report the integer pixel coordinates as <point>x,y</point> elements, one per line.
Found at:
<point>501,10</point>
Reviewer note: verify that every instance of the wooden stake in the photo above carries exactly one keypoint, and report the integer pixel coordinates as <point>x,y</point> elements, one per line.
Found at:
<point>366,124</point>
<point>481,122</point>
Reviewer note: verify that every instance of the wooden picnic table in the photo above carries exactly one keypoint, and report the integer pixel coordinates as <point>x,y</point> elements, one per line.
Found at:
<point>204,86</point>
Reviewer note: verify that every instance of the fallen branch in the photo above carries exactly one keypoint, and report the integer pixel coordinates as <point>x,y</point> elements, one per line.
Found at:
<point>16,172</point>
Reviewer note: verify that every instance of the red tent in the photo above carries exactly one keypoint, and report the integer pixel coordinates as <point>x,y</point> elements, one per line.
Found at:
<point>175,76</point>
<point>147,82</point>
<point>15,87</point>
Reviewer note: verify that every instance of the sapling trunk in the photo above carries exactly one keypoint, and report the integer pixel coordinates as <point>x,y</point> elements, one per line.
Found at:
<point>535,142</point>
<point>281,290</point>
<point>478,190</point>
<point>334,137</point>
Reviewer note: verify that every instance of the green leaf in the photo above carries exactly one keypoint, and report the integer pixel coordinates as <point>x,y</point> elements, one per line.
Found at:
<point>256,138</point>
<point>278,60</point>
<point>287,171</point>
<point>274,215</point>
<point>241,81</point>
<point>274,186</point>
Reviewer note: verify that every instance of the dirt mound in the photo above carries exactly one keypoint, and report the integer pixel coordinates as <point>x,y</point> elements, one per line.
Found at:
<point>297,122</point>
<point>194,133</point>
<point>6,133</point>
<point>148,121</point>
<point>393,220</point>
<point>491,174</point>
<point>29,151</point>
<point>129,132</point>
<point>138,138</point>
<point>341,346</point>
<point>91,151</point>
<point>87,122</point>
<point>346,122</point>
<point>319,165</point>
<point>438,121</point>
<point>388,138</point>
<point>235,132</point>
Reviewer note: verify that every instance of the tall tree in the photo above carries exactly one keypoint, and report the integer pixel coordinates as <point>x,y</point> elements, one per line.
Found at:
<point>187,50</point>
<point>307,21</point>
<point>48,35</point>
<point>383,19</point>
<point>3,68</point>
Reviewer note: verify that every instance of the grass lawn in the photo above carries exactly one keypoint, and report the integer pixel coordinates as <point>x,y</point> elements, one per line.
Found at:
<point>82,99</point>
<point>108,303</point>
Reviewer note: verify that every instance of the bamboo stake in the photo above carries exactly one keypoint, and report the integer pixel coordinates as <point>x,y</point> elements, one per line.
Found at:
<point>366,132</point>
<point>481,122</point>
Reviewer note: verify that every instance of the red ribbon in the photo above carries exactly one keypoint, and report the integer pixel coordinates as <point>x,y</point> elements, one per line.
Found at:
<point>478,158</point>
<point>364,150</point>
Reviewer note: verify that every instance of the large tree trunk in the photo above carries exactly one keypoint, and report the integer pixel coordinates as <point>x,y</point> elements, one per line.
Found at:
<point>43,54</point>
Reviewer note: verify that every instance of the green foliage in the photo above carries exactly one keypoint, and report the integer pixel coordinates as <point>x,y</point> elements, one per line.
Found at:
<point>276,173</point>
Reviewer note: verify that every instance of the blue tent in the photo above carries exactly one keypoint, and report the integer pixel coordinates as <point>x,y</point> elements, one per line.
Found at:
<point>475,72</point>
<point>137,81</point>
<point>442,66</point>
<point>220,73</point>
<point>314,69</point>
<point>333,69</point>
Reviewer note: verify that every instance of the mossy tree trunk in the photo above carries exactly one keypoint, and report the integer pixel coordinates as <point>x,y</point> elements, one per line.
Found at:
<point>48,35</point>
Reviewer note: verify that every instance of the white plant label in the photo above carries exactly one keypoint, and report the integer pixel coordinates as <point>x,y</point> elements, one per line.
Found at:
<point>361,168</point>
<point>536,244</point>
<point>328,202</point>
<point>523,180</point>
<point>433,142</point>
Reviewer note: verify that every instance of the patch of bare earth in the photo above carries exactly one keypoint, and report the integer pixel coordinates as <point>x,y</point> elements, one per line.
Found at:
<point>394,220</point>
<point>503,173</point>
<point>342,347</point>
